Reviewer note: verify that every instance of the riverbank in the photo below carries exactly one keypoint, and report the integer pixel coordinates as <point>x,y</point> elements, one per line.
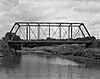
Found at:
<point>73,52</point>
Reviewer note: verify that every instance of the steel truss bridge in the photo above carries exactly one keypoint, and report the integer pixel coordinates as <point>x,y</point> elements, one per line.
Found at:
<point>48,33</point>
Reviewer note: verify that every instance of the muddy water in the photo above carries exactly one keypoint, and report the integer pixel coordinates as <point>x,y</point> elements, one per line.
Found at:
<point>45,67</point>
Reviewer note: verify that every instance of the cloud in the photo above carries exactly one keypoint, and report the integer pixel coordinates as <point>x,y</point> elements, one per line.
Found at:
<point>65,0</point>
<point>95,20</point>
<point>6,5</point>
<point>45,10</point>
<point>48,10</point>
<point>37,10</point>
<point>88,7</point>
<point>9,2</point>
<point>87,0</point>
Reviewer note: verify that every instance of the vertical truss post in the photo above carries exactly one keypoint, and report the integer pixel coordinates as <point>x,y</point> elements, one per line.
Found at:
<point>49,30</point>
<point>71,32</point>
<point>38,31</point>
<point>26,32</point>
<point>60,31</point>
<point>68,32</point>
<point>29,30</point>
<point>29,33</point>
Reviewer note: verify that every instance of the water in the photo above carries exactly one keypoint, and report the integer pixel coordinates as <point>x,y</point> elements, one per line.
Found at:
<point>42,67</point>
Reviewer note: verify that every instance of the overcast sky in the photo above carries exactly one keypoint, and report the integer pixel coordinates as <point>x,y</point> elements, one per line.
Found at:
<point>86,11</point>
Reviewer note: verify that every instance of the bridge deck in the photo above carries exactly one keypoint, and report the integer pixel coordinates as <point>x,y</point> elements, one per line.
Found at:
<point>52,42</point>
<point>35,43</point>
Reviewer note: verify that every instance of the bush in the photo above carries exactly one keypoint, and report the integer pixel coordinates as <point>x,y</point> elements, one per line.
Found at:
<point>67,49</point>
<point>5,50</point>
<point>92,53</point>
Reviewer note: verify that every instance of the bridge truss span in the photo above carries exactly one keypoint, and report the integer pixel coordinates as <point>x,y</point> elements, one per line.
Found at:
<point>49,30</point>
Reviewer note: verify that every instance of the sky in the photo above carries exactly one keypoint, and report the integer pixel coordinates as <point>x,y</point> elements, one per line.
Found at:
<point>85,11</point>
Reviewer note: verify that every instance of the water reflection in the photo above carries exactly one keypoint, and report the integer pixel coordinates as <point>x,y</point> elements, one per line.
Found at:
<point>10,62</point>
<point>9,65</point>
<point>45,67</point>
